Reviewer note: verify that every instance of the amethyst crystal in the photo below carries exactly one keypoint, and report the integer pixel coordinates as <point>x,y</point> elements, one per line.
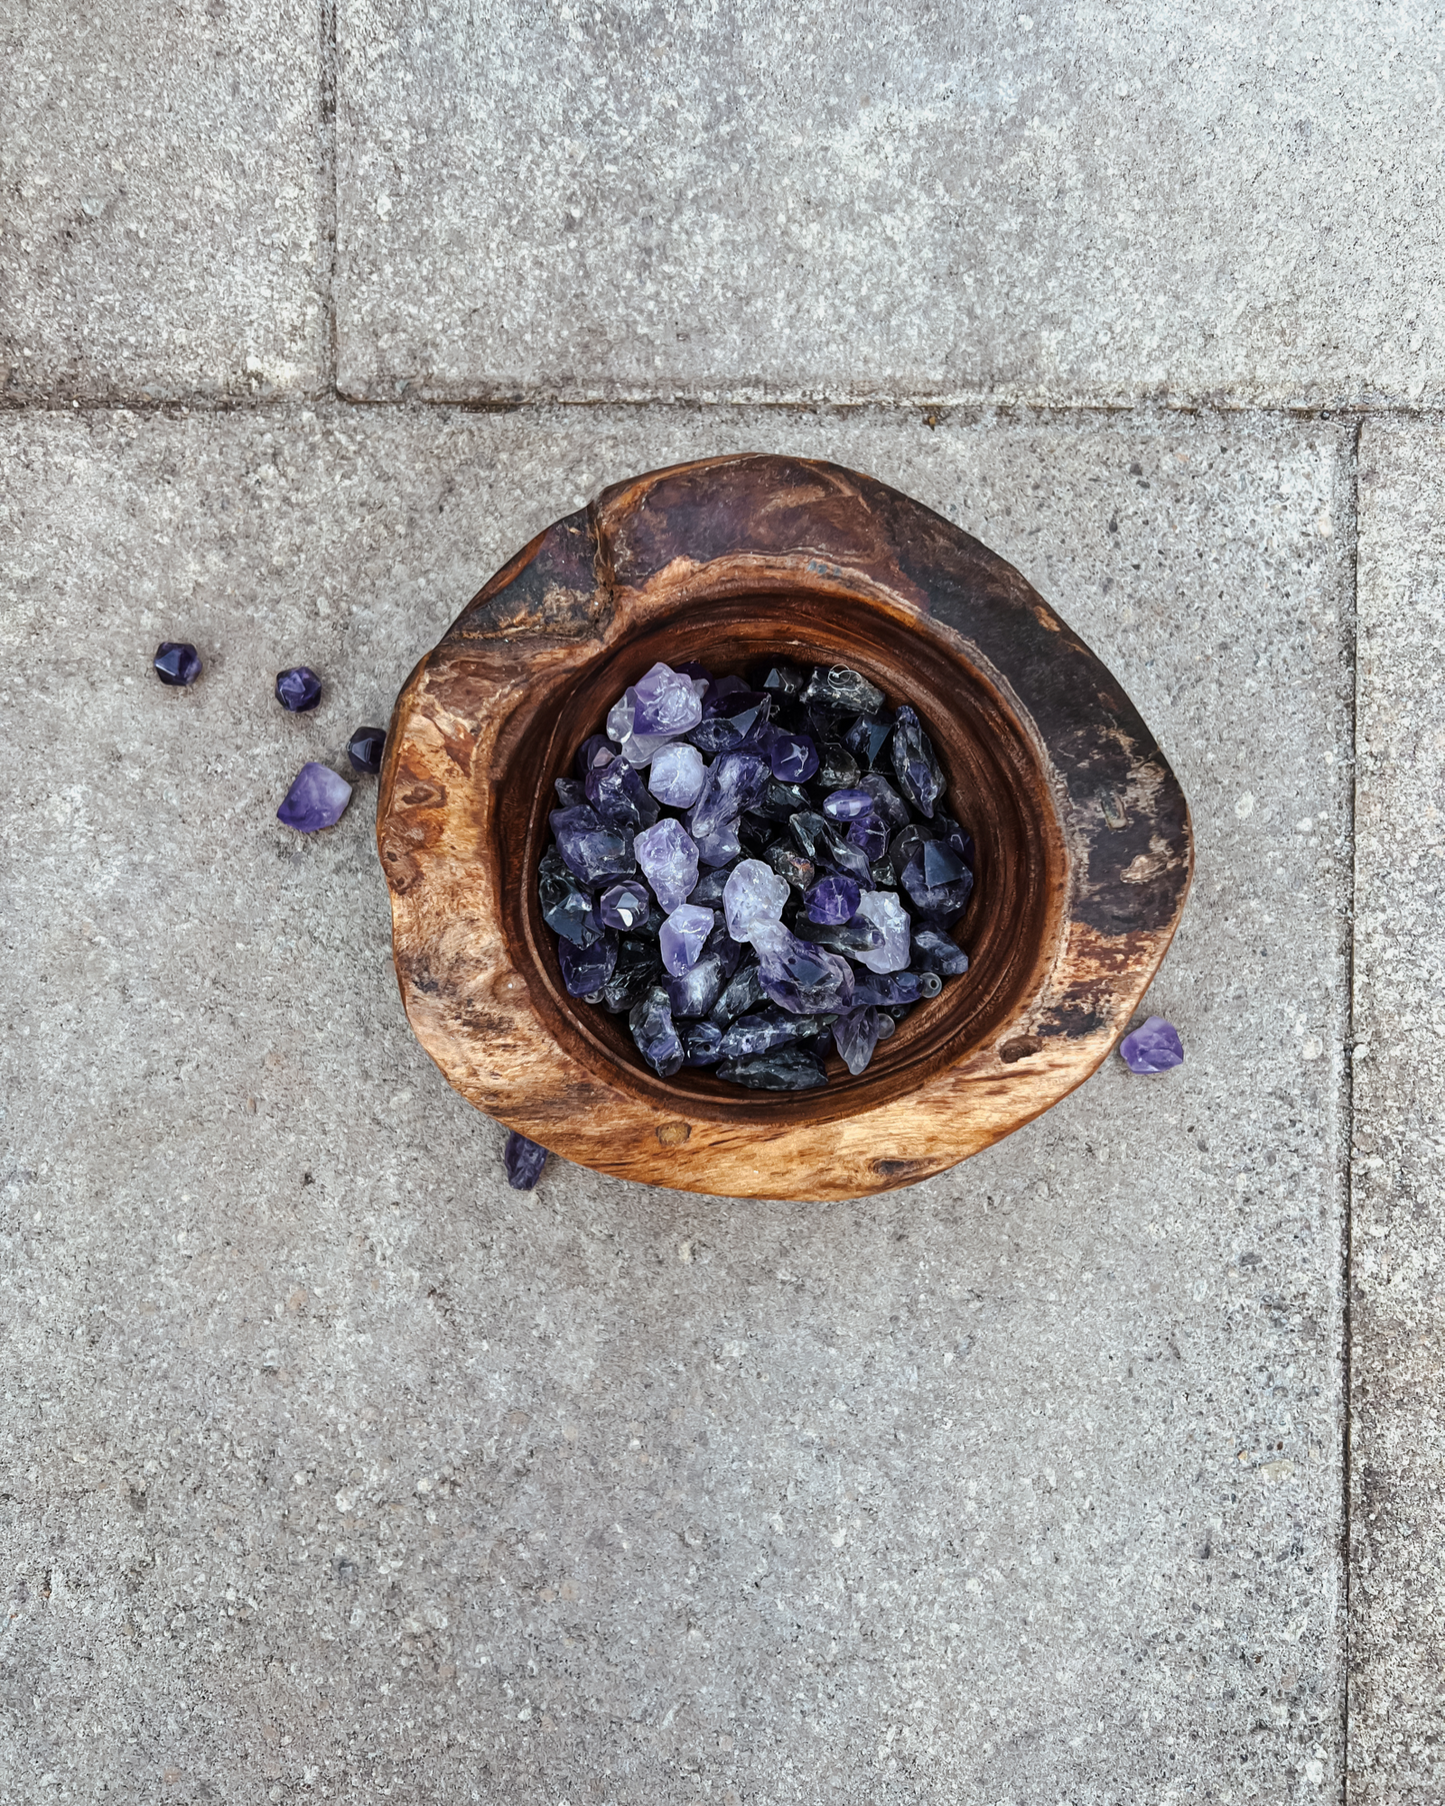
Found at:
<point>587,969</point>
<point>800,977</point>
<point>889,989</point>
<point>638,969</point>
<point>779,801</point>
<point>754,893</point>
<point>317,799</point>
<point>783,680</point>
<point>735,781</point>
<point>176,663</point>
<point>595,750</point>
<point>833,900</point>
<point>847,805</point>
<point>696,991</point>
<point>785,1069</point>
<point>721,847</point>
<point>1152,1047</point>
<point>836,687</point>
<point>669,860</point>
<point>915,764</point>
<point>868,736</point>
<point>854,938</point>
<point>886,800</point>
<point>934,951</point>
<point>624,905</point>
<point>701,1043</point>
<point>731,722</point>
<point>567,907</point>
<point>883,910</point>
<point>793,757</point>
<point>571,793</point>
<point>743,991</point>
<point>937,881</point>
<point>869,834</point>
<point>298,689</point>
<point>591,847</point>
<point>616,791</point>
<point>365,749</point>
<point>657,1040</point>
<point>664,702</point>
<point>677,775</point>
<point>855,1035</point>
<point>682,936</point>
<point>523,1160</point>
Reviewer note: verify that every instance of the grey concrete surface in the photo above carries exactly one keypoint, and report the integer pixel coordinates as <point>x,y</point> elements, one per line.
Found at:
<point>165,226</point>
<point>332,1469</point>
<point>985,202</point>
<point>1398,1594</point>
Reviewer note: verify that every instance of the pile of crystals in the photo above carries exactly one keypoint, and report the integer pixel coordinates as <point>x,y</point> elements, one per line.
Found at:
<point>756,873</point>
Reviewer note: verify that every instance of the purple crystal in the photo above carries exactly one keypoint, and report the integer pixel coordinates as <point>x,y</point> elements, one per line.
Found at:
<point>657,1040</point>
<point>587,969</point>
<point>793,757</point>
<point>934,951</point>
<point>868,736</point>
<point>784,1069</point>
<point>855,1035</point>
<point>783,680</point>
<point>365,749</point>
<point>571,793</point>
<point>524,1161</point>
<point>832,900</point>
<point>624,905</point>
<point>1153,1047</point>
<point>937,881</point>
<point>720,847</point>
<point>754,893</point>
<point>915,763</point>
<point>616,791</point>
<point>317,799</point>
<point>595,750</point>
<point>847,805</point>
<point>682,936</point>
<point>735,782</point>
<point>886,800</point>
<point>567,908</point>
<point>883,910</point>
<point>760,1033</point>
<point>732,720</point>
<point>700,676</point>
<point>701,1043</point>
<point>678,775</point>
<point>176,663</point>
<point>800,977</point>
<point>592,848</point>
<point>869,834</point>
<point>668,857</point>
<point>664,702</point>
<point>889,989</point>
<point>838,687</point>
<point>298,689</point>
<point>694,992</point>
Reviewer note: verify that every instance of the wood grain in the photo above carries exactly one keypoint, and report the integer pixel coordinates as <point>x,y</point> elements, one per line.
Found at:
<point>1083,835</point>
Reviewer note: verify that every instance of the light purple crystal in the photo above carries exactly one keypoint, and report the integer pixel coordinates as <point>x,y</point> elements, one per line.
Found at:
<point>1153,1047</point>
<point>678,774</point>
<point>682,935</point>
<point>855,1035</point>
<point>735,781</point>
<point>832,901</point>
<point>846,805</point>
<point>883,910</point>
<point>624,905</point>
<point>799,976</point>
<point>317,799</point>
<point>664,702</point>
<point>593,849</point>
<point>754,893</point>
<point>668,857</point>
<point>720,847</point>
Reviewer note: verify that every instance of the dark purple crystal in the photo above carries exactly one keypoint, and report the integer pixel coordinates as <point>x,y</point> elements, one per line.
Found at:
<point>524,1161</point>
<point>701,1043</point>
<point>735,781</point>
<point>365,749</point>
<point>298,689</point>
<point>869,834</point>
<point>587,969</point>
<point>616,791</point>
<point>317,799</point>
<point>784,1069</point>
<point>934,951</point>
<point>638,969</point>
<point>760,1033</point>
<point>592,848</point>
<point>937,881</point>
<point>793,757</point>
<point>868,736</point>
<point>567,908</point>
<point>176,663</point>
<point>731,722</point>
<point>652,1029</point>
<point>915,763</point>
<point>833,900</point>
<point>1152,1047</point>
<point>596,750</point>
<point>855,1035</point>
<point>625,905</point>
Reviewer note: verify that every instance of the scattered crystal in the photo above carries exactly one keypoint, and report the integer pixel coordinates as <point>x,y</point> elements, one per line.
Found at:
<point>669,860</point>
<point>886,800</point>
<point>701,1043</point>
<point>760,1033</point>
<point>883,910</point>
<point>664,702</point>
<point>176,663</point>
<point>855,1035</point>
<point>523,1160</point>
<point>934,951</point>
<point>832,900</point>
<point>743,991</point>
<point>592,849</point>
<point>847,805</point>
<point>869,834</point>
<point>657,1040</point>
<point>567,908</point>
<point>836,687</point>
<point>793,757</point>
<point>624,905</point>
<point>587,969</point>
<point>616,791</point>
<point>677,775</point>
<point>298,689</point>
<point>1152,1047</point>
<point>682,936</point>
<point>317,799</point>
<point>785,1069</point>
<point>721,847</point>
<point>799,977</point>
<point>915,764</point>
<point>891,990</point>
<point>365,749</point>
<point>937,882</point>
<point>571,793</point>
<point>754,893</point>
<point>779,801</point>
<point>708,891</point>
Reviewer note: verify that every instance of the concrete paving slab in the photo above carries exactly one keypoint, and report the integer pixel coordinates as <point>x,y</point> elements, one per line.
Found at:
<point>891,201</point>
<point>164,230</point>
<point>1397,1719</point>
<point>334,1467</point>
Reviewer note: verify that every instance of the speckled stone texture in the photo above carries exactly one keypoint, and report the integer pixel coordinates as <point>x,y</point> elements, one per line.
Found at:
<point>902,200</point>
<point>335,1469</point>
<point>165,227</point>
<point>1397,1719</point>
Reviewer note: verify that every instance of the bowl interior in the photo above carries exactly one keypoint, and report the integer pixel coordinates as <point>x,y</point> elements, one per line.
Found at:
<point>998,789</point>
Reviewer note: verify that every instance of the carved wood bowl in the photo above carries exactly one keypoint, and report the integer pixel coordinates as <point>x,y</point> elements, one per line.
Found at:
<point>1082,832</point>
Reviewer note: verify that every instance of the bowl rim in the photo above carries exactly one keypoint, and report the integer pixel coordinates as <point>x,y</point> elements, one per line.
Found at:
<point>689,549</point>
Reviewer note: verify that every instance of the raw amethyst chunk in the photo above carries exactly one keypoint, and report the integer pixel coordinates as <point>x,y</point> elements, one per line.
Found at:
<point>836,687</point>
<point>1152,1047</point>
<point>755,1034</point>
<point>793,757</point>
<point>176,663</point>
<point>886,800</point>
<point>365,750</point>
<point>883,910</point>
<point>678,774</point>
<point>567,908</point>
<point>847,805</point>
<point>934,951</point>
<point>832,900</point>
<point>638,969</point>
<point>855,1035</point>
<point>735,782</point>
<point>959,838</point>
<point>732,722</point>
<point>624,905</point>
<point>317,799</point>
<point>616,791</point>
<point>937,881</point>
<point>694,992</point>
<point>754,893</point>
<point>791,865</point>
<point>571,793</point>
<point>669,860</point>
<point>595,750</point>
<point>783,680</point>
<point>779,801</point>
<point>804,979</point>
<point>743,991</point>
<point>868,736</point>
<point>701,1043</point>
<point>664,702</point>
<point>587,969</point>
<point>721,847</point>
<point>869,834</point>
<point>915,764</point>
<point>708,891</point>
<point>523,1160</point>
<point>591,847</point>
<point>785,1069</point>
<point>657,1040</point>
<point>682,936</point>
<point>853,938</point>
<point>298,690</point>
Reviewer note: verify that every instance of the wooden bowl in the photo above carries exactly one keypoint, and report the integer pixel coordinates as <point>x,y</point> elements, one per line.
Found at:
<point>1082,831</point>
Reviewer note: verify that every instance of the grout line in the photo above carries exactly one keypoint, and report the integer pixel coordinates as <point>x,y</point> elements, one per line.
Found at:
<point>329,215</point>
<point>1352,651</point>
